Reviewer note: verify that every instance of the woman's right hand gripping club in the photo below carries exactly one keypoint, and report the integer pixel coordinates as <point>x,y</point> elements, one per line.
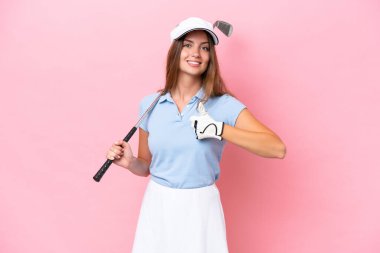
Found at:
<point>120,153</point>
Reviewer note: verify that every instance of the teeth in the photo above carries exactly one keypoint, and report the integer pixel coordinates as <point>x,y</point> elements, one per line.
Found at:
<point>194,62</point>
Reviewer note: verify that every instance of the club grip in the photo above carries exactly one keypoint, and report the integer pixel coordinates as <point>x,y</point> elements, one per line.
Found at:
<point>102,170</point>
<point>129,135</point>
<point>108,163</point>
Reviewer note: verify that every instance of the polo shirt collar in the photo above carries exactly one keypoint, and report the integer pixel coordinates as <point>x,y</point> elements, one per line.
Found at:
<point>167,97</point>
<point>200,94</point>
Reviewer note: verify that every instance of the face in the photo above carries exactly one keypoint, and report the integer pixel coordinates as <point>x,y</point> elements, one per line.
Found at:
<point>195,54</point>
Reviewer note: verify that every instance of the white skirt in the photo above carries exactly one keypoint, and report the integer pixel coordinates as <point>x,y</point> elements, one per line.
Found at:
<point>180,221</point>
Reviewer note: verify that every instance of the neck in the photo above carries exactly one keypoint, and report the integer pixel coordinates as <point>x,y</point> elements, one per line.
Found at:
<point>187,87</point>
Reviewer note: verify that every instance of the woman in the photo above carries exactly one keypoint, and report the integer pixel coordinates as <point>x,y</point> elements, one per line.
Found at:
<point>180,146</point>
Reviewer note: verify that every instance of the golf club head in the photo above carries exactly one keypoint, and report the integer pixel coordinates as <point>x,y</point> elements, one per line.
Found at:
<point>224,27</point>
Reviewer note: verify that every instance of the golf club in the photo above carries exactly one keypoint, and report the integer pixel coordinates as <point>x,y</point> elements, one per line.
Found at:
<point>107,164</point>
<point>224,27</point>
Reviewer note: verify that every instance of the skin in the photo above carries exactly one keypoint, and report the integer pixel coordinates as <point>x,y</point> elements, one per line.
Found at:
<point>247,133</point>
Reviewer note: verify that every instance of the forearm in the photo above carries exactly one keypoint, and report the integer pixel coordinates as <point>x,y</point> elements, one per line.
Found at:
<point>139,167</point>
<point>260,143</point>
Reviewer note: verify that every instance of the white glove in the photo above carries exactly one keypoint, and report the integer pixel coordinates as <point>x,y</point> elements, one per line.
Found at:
<point>205,126</point>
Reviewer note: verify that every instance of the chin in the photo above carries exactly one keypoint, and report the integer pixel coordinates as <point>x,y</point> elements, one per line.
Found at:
<point>193,72</point>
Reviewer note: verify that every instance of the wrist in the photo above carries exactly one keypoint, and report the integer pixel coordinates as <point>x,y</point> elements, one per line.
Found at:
<point>130,161</point>
<point>221,130</point>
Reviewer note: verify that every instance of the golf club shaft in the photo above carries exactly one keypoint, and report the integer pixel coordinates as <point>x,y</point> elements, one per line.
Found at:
<point>108,163</point>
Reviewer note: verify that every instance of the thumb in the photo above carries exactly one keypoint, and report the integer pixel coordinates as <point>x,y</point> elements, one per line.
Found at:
<point>193,119</point>
<point>127,149</point>
<point>125,144</point>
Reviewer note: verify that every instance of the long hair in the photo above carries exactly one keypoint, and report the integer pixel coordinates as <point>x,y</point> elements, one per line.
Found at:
<point>211,79</point>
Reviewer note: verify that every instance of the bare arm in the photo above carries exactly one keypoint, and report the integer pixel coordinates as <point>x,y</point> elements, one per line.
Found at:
<point>140,165</point>
<point>253,136</point>
<point>144,157</point>
<point>121,154</point>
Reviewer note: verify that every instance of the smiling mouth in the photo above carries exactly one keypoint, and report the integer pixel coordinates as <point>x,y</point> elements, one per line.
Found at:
<point>194,63</point>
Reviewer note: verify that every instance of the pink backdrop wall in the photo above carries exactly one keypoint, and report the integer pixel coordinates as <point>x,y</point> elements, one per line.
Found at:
<point>72,74</point>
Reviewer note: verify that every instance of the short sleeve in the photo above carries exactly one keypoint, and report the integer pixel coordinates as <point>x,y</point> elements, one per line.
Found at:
<point>143,106</point>
<point>232,108</point>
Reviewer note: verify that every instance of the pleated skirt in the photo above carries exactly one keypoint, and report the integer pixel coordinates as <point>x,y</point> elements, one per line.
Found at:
<point>180,221</point>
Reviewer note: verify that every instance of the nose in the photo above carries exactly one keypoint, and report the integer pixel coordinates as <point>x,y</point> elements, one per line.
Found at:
<point>195,55</point>
<point>195,52</point>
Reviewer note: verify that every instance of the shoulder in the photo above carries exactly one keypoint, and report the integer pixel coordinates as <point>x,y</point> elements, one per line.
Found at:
<point>228,100</point>
<point>228,108</point>
<point>148,99</point>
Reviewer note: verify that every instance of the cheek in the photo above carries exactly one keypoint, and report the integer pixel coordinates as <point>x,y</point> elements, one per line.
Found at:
<point>184,53</point>
<point>206,55</point>
<point>206,59</point>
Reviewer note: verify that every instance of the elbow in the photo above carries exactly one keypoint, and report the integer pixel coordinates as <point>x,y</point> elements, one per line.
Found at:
<point>142,174</point>
<point>281,152</point>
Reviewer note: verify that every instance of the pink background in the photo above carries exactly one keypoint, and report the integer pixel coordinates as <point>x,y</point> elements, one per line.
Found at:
<point>73,72</point>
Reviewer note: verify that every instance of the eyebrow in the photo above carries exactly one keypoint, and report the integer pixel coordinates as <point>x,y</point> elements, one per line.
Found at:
<point>201,43</point>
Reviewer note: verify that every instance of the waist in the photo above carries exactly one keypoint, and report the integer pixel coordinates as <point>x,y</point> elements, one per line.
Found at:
<point>165,186</point>
<point>183,177</point>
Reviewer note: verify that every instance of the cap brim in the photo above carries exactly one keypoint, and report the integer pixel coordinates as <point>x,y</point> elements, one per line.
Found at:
<point>213,35</point>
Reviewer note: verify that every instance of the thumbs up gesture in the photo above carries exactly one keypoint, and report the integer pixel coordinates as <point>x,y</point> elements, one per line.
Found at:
<point>205,126</point>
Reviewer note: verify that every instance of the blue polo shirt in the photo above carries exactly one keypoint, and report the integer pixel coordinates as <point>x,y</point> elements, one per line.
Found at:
<point>179,160</point>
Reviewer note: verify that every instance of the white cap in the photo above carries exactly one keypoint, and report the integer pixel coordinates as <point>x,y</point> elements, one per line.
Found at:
<point>191,24</point>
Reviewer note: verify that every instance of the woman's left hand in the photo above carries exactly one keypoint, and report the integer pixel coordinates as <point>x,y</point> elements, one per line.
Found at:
<point>205,126</point>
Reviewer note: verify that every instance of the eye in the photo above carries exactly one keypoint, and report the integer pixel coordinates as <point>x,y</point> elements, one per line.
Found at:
<point>188,45</point>
<point>206,48</point>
